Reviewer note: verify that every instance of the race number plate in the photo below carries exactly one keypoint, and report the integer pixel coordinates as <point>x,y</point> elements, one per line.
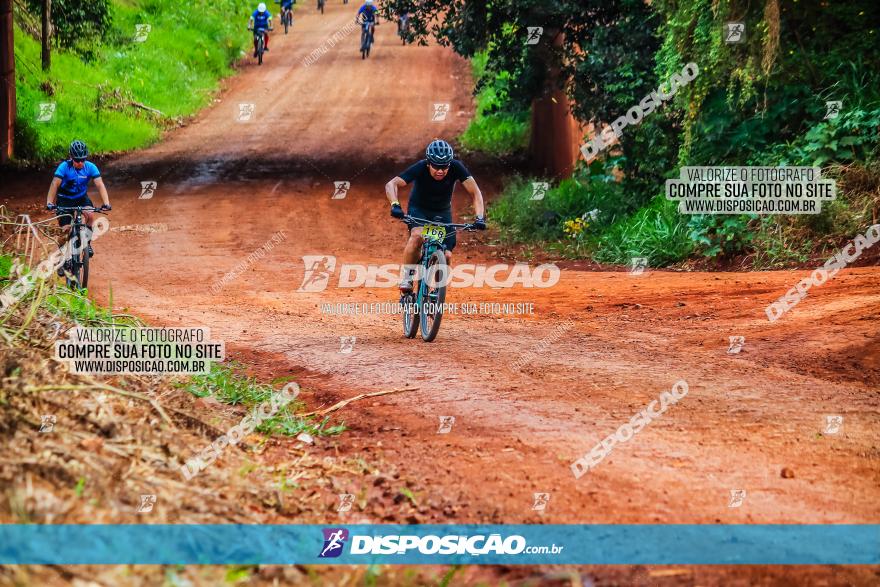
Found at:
<point>433,232</point>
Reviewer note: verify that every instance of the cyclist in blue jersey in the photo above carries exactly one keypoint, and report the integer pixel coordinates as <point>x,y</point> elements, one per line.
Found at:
<point>369,11</point>
<point>286,5</point>
<point>368,17</point>
<point>261,20</point>
<point>70,185</point>
<point>433,180</point>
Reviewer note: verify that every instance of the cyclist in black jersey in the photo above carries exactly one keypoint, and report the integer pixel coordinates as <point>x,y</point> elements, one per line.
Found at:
<point>433,180</point>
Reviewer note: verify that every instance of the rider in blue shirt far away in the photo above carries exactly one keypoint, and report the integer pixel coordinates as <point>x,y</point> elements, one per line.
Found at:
<point>368,10</point>
<point>69,187</point>
<point>261,19</point>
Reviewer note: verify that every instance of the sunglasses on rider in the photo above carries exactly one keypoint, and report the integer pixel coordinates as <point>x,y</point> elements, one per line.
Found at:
<point>439,167</point>
<point>79,159</point>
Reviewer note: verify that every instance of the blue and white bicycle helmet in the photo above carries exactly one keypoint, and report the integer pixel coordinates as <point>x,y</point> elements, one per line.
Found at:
<point>439,153</point>
<point>78,151</point>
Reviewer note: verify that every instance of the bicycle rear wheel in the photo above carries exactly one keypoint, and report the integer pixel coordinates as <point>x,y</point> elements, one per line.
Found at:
<point>433,295</point>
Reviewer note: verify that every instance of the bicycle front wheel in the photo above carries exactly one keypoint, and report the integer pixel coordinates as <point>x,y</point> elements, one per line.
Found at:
<point>410,315</point>
<point>77,274</point>
<point>433,295</point>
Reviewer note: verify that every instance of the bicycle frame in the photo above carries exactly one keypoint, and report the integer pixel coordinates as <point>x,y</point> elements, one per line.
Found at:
<point>74,235</point>
<point>430,246</point>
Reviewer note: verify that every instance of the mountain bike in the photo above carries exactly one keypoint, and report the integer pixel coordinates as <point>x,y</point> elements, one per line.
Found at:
<point>423,306</point>
<point>367,31</point>
<point>259,42</point>
<point>76,266</point>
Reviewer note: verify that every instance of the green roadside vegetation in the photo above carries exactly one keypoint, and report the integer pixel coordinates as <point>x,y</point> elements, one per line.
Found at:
<point>49,309</point>
<point>495,128</point>
<point>760,102</point>
<point>112,87</point>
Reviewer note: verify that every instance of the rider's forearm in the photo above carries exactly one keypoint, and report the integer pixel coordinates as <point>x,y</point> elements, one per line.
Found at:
<point>53,192</point>
<point>391,192</point>
<point>105,197</point>
<point>479,207</point>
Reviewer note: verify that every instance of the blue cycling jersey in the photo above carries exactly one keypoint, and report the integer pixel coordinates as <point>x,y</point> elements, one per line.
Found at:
<point>369,12</point>
<point>75,182</point>
<point>261,19</point>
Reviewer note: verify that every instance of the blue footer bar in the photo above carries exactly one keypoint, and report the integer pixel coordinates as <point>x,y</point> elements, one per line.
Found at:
<point>774,544</point>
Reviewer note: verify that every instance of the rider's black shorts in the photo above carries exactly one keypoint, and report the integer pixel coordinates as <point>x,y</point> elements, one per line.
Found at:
<point>442,216</point>
<point>64,220</point>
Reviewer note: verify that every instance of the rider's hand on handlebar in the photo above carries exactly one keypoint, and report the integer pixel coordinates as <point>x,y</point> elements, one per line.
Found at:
<point>480,223</point>
<point>106,207</point>
<point>397,211</point>
<point>50,206</point>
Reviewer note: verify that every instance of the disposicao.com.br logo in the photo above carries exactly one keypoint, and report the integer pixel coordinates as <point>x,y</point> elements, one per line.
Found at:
<point>319,269</point>
<point>450,544</point>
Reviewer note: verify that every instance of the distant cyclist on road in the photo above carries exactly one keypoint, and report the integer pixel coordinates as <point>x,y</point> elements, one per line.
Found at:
<point>433,180</point>
<point>403,16</point>
<point>70,185</point>
<point>287,5</point>
<point>367,16</point>
<point>261,19</point>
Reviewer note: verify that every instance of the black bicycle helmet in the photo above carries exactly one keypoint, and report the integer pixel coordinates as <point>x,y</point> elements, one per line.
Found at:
<point>439,153</point>
<point>78,150</point>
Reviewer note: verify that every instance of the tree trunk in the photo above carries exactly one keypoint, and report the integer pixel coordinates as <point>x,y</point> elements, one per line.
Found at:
<point>552,144</point>
<point>47,34</point>
<point>7,82</point>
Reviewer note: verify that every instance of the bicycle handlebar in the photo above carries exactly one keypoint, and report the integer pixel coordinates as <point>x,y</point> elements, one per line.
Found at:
<point>412,220</point>
<point>80,208</point>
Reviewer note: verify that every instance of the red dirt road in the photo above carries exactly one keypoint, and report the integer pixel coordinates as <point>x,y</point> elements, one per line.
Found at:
<point>225,187</point>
